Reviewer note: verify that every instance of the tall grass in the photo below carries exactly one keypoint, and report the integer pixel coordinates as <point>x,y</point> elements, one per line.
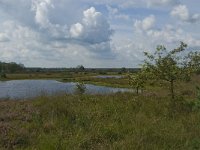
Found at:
<point>116,121</point>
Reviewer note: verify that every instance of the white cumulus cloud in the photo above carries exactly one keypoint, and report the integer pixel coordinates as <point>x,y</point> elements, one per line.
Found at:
<point>51,33</point>
<point>145,24</point>
<point>76,30</point>
<point>182,13</point>
<point>94,28</point>
<point>41,9</point>
<point>3,37</point>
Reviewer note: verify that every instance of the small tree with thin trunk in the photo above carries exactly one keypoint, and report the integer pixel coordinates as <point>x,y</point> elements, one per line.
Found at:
<point>167,66</point>
<point>137,80</point>
<point>80,88</point>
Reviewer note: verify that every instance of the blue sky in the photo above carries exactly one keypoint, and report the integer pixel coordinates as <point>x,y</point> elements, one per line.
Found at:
<point>100,33</point>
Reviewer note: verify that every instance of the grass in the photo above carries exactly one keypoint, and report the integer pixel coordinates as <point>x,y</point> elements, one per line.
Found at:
<point>116,121</point>
<point>111,82</point>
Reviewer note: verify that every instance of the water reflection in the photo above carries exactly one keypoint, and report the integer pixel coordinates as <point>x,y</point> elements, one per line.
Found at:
<point>20,89</point>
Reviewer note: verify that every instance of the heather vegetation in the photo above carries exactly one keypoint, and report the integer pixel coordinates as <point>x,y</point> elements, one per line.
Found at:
<point>163,113</point>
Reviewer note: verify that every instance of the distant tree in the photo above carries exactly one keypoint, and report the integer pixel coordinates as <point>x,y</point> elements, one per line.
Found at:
<point>2,75</point>
<point>14,67</point>
<point>11,67</point>
<point>167,65</point>
<point>80,68</point>
<point>123,70</point>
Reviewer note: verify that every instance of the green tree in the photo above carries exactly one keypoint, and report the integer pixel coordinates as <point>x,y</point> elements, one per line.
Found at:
<point>137,80</point>
<point>123,70</point>
<point>3,75</point>
<point>80,68</point>
<point>80,88</point>
<point>192,60</point>
<point>167,65</point>
<point>11,67</point>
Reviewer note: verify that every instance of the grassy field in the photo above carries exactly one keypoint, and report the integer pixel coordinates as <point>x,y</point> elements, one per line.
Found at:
<point>115,121</point>
<point>118,121</point>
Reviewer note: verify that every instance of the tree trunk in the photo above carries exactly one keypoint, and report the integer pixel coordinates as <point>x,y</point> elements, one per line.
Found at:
<point>137,90</point>
<point>173,105</point>
<point>172,88</point>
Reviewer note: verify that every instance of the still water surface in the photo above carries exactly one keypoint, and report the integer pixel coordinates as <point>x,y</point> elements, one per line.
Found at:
<point>22,89</point>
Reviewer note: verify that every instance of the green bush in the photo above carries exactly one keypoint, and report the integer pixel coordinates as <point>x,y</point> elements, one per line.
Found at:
<point>80,88</point>
<point>3,75</point>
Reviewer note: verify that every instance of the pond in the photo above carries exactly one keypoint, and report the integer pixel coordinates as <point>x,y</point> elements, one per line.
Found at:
<point>24,89</point>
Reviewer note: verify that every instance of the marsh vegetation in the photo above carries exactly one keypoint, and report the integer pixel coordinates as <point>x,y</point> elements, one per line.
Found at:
<point>165,115</point>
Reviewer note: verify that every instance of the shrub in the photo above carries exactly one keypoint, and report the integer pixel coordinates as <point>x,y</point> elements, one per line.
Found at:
<point>3,75</point>
<point>80,88</point>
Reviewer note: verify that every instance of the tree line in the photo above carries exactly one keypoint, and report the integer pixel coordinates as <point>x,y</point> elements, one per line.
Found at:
<point>11,67</point>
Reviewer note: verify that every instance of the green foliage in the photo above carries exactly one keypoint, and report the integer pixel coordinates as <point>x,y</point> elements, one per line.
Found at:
<point>167,65</point>
<point>11,67</point>
<point>3,75</point>
<point>80,88</point>
<point>123,70</point>
<point>103,73</point>
<point>80,68</point>
<point>193,61</point>
<point>137,80</point>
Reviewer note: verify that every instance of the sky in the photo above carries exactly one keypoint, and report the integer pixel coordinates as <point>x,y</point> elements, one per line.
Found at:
<point>94,33</point>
